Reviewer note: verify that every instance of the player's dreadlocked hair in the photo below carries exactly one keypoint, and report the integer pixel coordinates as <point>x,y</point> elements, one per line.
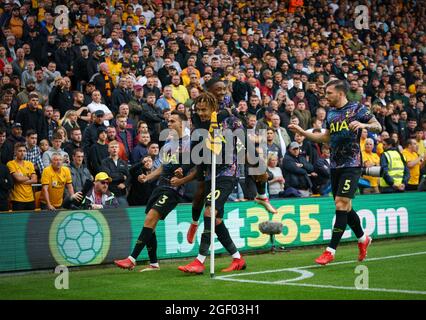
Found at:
<point>209,99</point>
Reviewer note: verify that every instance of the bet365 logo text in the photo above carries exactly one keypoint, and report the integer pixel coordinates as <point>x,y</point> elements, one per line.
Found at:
<point>361,20</point>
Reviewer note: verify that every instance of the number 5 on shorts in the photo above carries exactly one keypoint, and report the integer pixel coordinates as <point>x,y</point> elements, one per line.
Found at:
<point>347,185</point>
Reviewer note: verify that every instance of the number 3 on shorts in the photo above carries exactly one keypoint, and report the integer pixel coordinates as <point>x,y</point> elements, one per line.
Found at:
<point>163,199</point>
<point>347,185</point>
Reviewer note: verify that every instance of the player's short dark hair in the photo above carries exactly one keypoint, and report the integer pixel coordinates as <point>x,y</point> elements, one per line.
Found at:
<point>339,85</point>
<point>181,115</point>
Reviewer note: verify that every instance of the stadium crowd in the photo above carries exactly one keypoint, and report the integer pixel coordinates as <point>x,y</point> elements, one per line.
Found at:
<point>87,86</point>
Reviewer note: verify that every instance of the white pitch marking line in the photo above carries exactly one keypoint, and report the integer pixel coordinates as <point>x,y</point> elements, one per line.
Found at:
<point>290,282</point>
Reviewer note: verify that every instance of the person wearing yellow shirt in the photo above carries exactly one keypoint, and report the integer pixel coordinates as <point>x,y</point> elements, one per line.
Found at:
<point>370,159</point>
<point>380,149</point>
<point>115,67</point>
<point>420,142</point>
<point>24,175</point>
<point>54,179</point>
<point>414,164</point>
<point>179,92</point>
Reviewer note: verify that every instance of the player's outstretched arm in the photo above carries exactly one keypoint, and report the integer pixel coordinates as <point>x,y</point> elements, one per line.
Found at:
<point>315,137</point>
<point>372,125</point>
<point>176,182</point>
<point>154,174</point>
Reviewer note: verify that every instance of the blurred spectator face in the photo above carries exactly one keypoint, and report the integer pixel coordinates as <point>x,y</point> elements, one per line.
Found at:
<point>32,103</point>
<point>364,133</point>
<point>51,67</point>
<point>273,161</point>
<point>153,150</point>
<point>113,149</point>
<point>395,117</point>
<point>176,80</point>
<point>124,110</point>
<point>270,135</point>
<point>412,124</point>
<point>194,93</point>
<point>295,151</point>
<point>101,186</point>
<point>289,107</point>
<point>56,162</point>
<point>76,136</point>
<point>276,121</point>
<point>168,92</point>
<point>111,133</point>
<point>144,138</point>
<point>299,138</point>
<point>96,96</point>
<point>2,138</point>
<point>218,90</point>
<point>147,163</point>
<point>413,146</point>
<point>122,123</point>
<point>31,140</point>
<point>44,145</point>
<point>78,158</point>
<point>251,122</point>
<point>21,153</point>
<point>242,106</point>
<point>369,145</point>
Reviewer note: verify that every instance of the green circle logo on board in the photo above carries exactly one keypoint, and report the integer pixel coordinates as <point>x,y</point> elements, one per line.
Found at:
<point>79,238</point>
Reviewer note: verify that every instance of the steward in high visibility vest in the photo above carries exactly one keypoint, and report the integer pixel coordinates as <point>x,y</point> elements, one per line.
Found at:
<point>395,170</point>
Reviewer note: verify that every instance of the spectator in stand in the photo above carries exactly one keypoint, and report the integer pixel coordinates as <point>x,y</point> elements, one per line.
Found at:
<point>90,135</point>
<point>74,142</point>
<point>99,197</point>
<point>79,172</point>
<point>118,171</point>
<point>5,187</point>
<point>32,117</point>
<point>415,163</point>
<point>370,159</point>
<point>55,149</point>
<point>98,151</point>
<point>33,152</point>
<point>24,175</point>
<point>276,181</point>
<point>141,148</point>
<point>395,171</point>
<point>140,191</point>
<point>321,182</point>
<point>97,105</point>
<point>296,171</point>
<point>54,180</point>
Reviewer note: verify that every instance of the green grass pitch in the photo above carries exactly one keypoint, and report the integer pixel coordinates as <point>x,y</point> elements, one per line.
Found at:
<point>396,270</point>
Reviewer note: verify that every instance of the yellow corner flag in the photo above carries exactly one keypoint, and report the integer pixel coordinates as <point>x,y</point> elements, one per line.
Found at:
<point>214,143</point>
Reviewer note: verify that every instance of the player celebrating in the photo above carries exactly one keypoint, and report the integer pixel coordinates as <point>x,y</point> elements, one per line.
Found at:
<point>226,177</point>
<point>345,121</point>
<point>172,174</point>
<point>218,89</point>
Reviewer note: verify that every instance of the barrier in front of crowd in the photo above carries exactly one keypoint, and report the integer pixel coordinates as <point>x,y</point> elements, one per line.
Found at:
<point>43,240</point>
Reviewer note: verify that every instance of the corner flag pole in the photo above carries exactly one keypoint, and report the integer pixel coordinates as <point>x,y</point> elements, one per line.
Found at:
<point>213,208</point>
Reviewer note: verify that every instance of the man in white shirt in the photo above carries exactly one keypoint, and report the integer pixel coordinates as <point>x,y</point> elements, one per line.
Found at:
<point>96,105</point>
